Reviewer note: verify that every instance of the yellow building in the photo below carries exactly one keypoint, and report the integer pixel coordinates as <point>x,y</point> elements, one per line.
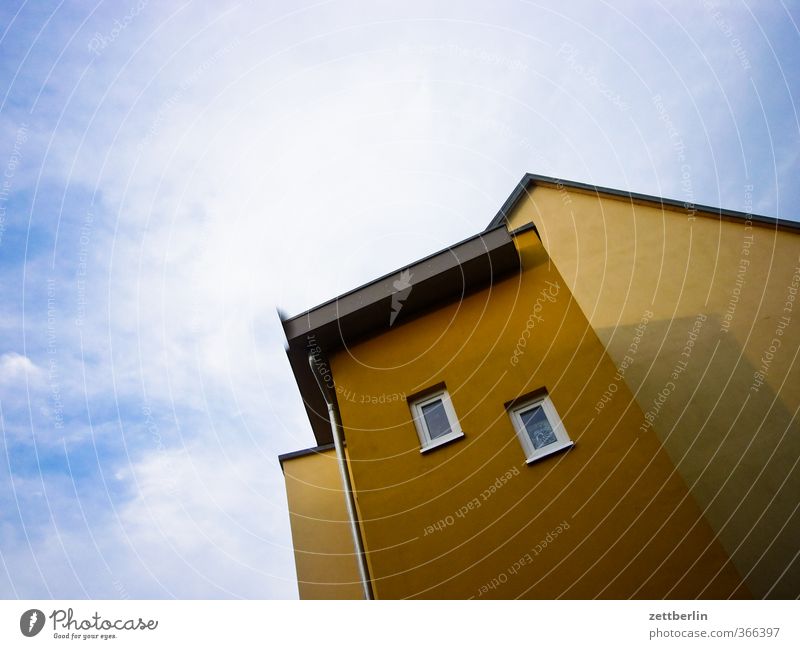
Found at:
<point>594,397</point>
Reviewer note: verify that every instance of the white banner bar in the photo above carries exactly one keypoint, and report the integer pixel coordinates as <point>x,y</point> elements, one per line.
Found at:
<point>378,624</point>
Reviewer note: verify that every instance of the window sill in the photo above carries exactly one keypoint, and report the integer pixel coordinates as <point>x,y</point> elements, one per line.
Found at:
<point>441,441</point>
<point>556,448</point>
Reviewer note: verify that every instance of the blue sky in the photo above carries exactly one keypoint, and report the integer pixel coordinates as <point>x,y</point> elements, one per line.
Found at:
<point>172,173</point>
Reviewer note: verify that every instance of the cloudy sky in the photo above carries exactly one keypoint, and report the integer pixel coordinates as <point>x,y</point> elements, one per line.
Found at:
<point>174,172</point>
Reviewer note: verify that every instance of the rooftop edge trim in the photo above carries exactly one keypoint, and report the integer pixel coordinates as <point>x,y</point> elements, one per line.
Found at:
<point>529,181</point>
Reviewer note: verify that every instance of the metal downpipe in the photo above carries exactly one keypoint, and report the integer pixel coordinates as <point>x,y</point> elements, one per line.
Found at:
<point>333,416</point>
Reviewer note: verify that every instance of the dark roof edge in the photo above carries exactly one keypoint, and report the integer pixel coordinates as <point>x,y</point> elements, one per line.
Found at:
<point>532,179</point>
<point>391,274</point>
<point>528,227</point>
<point>439,279</point>
<point>306,451</point>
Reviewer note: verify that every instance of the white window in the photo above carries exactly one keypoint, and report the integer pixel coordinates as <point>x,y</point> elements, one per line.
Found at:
<point>435,420</point>
<point>539,428</point>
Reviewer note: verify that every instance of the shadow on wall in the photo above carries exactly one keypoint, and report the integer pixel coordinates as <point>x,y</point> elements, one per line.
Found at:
<point>731,437</point>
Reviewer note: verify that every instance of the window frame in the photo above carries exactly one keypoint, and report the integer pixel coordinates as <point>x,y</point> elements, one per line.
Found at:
<point>427,443</point>
<point>533,454</point>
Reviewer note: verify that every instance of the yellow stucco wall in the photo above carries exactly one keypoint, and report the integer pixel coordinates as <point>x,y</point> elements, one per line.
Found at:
<point>608,518</point>
<point>731,428</point>
<point>323,545</point>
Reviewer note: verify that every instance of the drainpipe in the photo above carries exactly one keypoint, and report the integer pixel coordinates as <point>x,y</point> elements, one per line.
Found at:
<point>349,499</point>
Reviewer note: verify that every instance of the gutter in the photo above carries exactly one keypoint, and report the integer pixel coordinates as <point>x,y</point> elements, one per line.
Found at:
<point>336,429</point>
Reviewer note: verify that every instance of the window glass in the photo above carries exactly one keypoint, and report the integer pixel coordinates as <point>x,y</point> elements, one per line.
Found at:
<point>436,419</point>
<point>538,428</point>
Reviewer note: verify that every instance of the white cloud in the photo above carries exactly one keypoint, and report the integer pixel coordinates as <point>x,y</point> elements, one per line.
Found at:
<point>204,522</point>
<point>16,368</point>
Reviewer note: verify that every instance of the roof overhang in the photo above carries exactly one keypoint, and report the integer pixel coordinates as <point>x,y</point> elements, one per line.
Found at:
<point>387,302</point>
<point>530,181</point>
